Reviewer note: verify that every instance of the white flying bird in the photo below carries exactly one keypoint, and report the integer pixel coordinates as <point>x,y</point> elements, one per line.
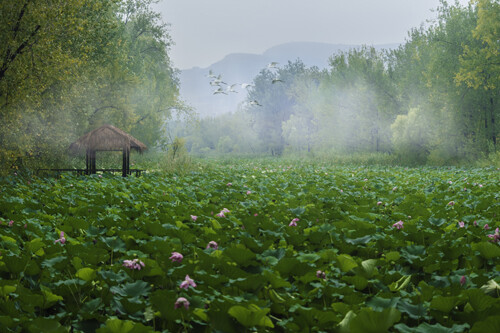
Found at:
<point>246,85</point>
<point>272,65</point>
<point>211,74</point>
<point>218,81</point>
<point>219,91</point>
<point>254,102</point>
<point>230,88</point>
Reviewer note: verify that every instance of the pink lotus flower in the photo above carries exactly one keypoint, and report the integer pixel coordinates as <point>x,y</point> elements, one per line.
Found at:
<point>188,282</point>
<point>212,245</point>
<point>496,236</point>
<point>11,223</point>
<point>134,264</point>
<point>450,182</point>
<point>61,239</point>
<point>398,225</point>
<point>181,301</point>
<point>223,212</point>
<point>451,203</point>
<point>176,257</point>
<point>379,203</point>
<point>461,224</point>
<point>255,214</point>
<point>293,224</point>
<point>480,185</point>
<point>194,217</point>
<point>295,220</point>
<point>463,279</point>
<point>229,184</point>
<point>320,274</point>
<point>475,223</point>
<point>249,192</point>
<point>486,227</point>
<point>394,188</point>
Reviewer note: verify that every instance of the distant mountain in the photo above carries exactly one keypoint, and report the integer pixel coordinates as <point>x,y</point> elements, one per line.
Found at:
<point>243,67</point>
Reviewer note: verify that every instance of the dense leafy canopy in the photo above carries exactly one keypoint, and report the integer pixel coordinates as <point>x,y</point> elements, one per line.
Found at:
<point>435,99</point>
<point>67,67</point>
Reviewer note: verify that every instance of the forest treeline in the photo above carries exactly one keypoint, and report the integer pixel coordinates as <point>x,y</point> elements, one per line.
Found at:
<point>68,66</point>
<point>435,99</point>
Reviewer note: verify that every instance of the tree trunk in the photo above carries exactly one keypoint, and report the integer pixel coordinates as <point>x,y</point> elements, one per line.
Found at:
<point>492,121</point>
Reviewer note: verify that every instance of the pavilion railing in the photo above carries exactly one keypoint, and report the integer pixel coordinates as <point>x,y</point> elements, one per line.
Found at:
<point>137,172</point>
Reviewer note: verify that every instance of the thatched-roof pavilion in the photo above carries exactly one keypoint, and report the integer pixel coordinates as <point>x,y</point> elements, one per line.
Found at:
<point>106,138</point>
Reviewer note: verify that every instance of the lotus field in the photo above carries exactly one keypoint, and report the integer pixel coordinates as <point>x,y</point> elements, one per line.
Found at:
<point>254,246</point>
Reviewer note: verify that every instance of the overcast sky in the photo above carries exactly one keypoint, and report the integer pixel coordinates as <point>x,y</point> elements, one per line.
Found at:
<point>204,31</point>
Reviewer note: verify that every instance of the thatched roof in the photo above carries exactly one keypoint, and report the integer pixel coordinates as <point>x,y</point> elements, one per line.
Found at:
<point>107,137</point>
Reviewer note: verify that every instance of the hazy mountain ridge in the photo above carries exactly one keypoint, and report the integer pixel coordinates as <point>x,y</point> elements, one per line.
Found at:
<point>243,67</point>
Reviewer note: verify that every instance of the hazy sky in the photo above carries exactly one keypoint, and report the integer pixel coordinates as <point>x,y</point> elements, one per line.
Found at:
<point>204,31</point>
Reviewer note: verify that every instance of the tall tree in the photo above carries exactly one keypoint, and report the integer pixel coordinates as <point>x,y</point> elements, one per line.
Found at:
<point>480,63</point>
<point>68,66</point>
<point>44,47</point>
<point>425,68</point>
<point>275,104</point>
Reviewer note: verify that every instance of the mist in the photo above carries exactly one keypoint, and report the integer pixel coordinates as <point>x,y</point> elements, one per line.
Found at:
<point>431,99</point>
<point>409,104</point>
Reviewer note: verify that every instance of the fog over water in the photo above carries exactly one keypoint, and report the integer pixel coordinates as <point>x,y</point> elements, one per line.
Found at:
<point>394,81</point>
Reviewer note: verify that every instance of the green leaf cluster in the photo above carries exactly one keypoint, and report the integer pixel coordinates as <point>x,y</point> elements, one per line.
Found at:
<point>432,274</point>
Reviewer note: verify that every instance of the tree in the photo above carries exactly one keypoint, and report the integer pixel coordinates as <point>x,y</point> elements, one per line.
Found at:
<point>44,46</point>
<point>275,104</point>
<point>425,70</point>
<point>139,89</point>
<point>361,101</point>
<point>301,130</point>
<point>69,66</point>
<point>480,62</point>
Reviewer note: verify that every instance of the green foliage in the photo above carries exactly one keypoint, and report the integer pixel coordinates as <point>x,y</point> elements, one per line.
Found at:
<point>251,316</point>
<point>177,158</point>
<point>421,102</point>
<point>227,133</point>
<point>271,91</point>
<point>412,136</point>
<point>479,65</point>
<point>264,274</point>
<point>67,67</point>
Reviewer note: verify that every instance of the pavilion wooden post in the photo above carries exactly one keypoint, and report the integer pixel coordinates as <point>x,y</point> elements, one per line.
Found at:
<point>90,166</point>
<point>92,162</point>
<point>87,162</point>
<point>126,161</point>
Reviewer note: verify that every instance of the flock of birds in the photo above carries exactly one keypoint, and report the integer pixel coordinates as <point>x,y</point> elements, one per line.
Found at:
<point>218,84</point>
